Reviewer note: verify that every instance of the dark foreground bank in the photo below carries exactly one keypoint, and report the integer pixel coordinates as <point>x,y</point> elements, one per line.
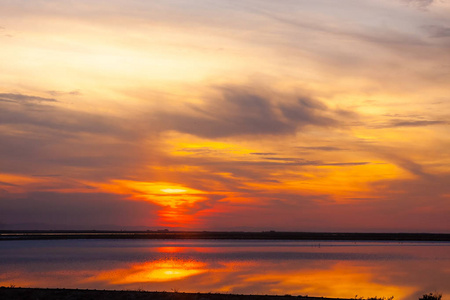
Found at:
<point>76,294</point>
<point>209,235</point>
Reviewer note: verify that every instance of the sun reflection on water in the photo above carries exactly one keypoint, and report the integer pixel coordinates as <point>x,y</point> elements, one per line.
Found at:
<point>157,271</point>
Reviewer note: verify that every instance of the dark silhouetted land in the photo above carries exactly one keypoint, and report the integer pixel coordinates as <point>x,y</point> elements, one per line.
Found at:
<point>76,294</point>
<point>210,235</point>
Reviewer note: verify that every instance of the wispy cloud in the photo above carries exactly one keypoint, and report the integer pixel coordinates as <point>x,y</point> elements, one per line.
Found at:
<point>61,93</point>
<point>23,99</point>
<point>413,123</point>
<point>423,4</point>
<point>322,148</point>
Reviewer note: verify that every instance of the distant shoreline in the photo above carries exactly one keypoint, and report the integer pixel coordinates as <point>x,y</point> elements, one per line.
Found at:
<point>210,235</point>
<point>8,293</point>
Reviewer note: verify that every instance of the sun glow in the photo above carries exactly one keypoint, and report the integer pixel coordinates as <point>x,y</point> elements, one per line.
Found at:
<point>173,191</point>
<point>175,199</point>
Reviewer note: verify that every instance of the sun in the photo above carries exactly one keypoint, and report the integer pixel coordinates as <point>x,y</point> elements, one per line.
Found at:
<point>175,200</point>
<point>174,191</point>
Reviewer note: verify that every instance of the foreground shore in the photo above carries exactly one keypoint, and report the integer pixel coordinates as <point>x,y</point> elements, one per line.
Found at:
<point>78,294</point>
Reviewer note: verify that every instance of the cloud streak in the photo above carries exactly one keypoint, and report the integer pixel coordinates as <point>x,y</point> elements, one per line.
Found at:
<point>23,99</point>
<point>413,123</point>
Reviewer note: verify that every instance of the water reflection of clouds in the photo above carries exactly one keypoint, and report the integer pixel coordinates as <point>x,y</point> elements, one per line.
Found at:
<point>332,279</point>
<point>344,271</point>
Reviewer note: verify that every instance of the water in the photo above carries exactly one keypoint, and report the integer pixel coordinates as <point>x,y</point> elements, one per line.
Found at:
<point>314,268</point>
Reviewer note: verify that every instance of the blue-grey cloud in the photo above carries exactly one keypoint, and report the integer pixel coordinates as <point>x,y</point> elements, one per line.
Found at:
<point>292,161</point>
<point>35,113</point>
<point>7,183</point>
<point>38,137</point>
<point>263,153</point>
<point>412,123</point>
<point>436,31</point>
<point>239,112</point>
<point>23,99</point>
<point>86,210</point>
<point>321,148</point>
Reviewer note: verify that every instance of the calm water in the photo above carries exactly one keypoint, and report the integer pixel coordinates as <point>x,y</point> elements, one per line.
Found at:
<point>331,269</point>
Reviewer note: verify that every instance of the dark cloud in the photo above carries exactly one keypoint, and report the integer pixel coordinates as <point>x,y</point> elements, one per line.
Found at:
<point>44,118</point>
<point>416,123</point>
<point>322,148</point>
<point>200,150</point>
<point>23,99</point>
<point>263,153</point>
<point>301,162</point>
<point>281,161</point>
<point>239,112</point>
<point>412,123</point>
<point>91,157</point>
<point>75,209</point>
<point>40,138</point>
<point>437,31</point>
<point>343,164</point>
<point>7,183</point>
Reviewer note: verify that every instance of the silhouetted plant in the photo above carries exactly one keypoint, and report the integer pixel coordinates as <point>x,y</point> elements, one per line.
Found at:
<point>431,296</point>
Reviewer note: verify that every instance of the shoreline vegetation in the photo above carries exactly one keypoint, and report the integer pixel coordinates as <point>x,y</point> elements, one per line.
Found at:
<point>14,293</point>
<point>211,235</point>
<point>7,293</point>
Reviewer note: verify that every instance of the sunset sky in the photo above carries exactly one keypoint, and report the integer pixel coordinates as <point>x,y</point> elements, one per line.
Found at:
<point>296,115</point>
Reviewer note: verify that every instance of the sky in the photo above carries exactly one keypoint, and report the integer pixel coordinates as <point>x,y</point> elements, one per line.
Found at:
<point>290,115</point>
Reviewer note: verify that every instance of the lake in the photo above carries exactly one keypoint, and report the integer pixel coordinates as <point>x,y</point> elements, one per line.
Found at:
<point>315,268</point>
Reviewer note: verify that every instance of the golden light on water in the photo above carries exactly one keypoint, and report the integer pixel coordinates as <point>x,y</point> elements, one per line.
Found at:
<point>337,280</point>
<point>341,280</point>
<point>157,271</point>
